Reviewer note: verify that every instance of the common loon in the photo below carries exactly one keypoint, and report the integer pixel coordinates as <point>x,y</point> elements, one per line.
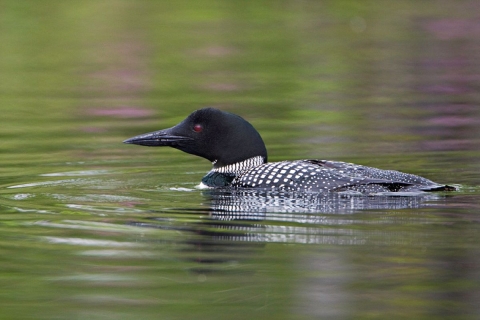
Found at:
<point>239,159</point>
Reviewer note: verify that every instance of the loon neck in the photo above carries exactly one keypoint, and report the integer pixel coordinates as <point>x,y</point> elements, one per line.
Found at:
<point>224,175</point>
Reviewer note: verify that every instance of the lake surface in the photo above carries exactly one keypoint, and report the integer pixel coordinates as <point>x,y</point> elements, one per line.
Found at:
<point>91,228</point>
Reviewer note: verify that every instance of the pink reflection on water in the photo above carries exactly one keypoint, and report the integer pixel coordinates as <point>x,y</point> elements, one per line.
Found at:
<point>448,29</point>
<point>121,112</point>
<point>454,120</point>
<point>448,145</point>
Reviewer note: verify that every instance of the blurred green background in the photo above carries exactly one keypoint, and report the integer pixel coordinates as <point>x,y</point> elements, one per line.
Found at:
<point>342,70</point>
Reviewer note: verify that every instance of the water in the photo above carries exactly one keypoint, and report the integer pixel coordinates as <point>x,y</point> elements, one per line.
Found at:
<point>91,228</point>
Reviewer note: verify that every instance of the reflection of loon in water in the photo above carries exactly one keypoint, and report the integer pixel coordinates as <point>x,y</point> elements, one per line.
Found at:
<point>326,218</point>
<point>234,225</point>
<point>239,160</point>
<point>256,216</point>
<point>231,204</point>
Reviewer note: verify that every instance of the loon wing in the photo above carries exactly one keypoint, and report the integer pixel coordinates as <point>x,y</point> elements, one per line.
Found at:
<point>391,179</point>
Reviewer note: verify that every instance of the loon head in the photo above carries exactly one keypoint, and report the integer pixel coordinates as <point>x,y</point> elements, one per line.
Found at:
<point>221,137</point>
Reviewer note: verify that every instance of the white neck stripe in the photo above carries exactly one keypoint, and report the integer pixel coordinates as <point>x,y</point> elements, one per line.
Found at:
<point>239,167</point>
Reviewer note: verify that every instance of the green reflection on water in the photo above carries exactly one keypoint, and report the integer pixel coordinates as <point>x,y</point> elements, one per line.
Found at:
<point>90,228</point>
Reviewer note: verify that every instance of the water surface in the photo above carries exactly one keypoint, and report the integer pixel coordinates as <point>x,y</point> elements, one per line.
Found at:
<point>91,228</point>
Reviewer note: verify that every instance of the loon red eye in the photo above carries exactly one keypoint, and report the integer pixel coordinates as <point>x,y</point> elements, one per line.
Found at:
<point>197,128</point>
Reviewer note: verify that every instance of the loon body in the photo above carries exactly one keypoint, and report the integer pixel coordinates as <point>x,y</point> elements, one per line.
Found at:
<point>239,159</point>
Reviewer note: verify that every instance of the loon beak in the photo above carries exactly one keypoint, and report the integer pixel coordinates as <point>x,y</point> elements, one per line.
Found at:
<point>159,138</point>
